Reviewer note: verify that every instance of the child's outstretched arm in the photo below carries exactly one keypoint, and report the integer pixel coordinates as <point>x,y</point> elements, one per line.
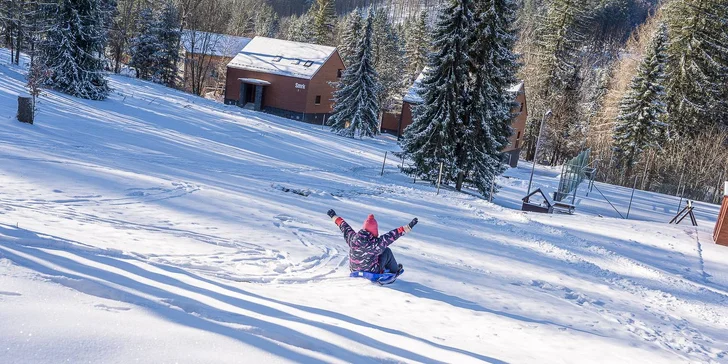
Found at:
<point>349,233</point>
<point>389,238</point>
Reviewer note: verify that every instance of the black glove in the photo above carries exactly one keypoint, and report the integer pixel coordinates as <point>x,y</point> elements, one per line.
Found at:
<point>331,213</point>
<point>412,223</point>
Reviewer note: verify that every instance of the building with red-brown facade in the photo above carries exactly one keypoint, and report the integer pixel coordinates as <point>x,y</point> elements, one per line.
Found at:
<point>206,56</point>
<point>396,124</point>
<point>284,78</point>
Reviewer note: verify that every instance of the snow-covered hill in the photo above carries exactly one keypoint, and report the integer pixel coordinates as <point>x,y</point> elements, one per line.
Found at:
<point>159,227</point>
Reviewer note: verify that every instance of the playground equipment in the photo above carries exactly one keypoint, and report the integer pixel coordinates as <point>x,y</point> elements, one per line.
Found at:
<point>573,173</point>
<point>537,201</point>
<point>687,211</point>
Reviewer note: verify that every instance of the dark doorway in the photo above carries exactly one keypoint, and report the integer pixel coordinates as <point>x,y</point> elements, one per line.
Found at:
<point>249,93</point>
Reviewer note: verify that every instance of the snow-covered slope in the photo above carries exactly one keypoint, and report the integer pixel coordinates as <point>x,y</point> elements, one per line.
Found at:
<point>160,227</point>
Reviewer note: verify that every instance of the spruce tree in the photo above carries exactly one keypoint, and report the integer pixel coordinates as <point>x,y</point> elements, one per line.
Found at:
<point>417,46</point>
<point>145,45</point>
<point>389,61</point>
<point>357,107</point>
<point>436,131</point>
<point>168,37</point>
<point>697,72</point>
<point>493,67</point>
<point>324,21</point>
<point>300,28</point>
<point>641,122</point>
<point>73,47</point>
<point>350,38</point>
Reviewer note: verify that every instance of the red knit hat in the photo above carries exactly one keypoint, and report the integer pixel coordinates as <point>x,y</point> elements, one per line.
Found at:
<point>371,225</point>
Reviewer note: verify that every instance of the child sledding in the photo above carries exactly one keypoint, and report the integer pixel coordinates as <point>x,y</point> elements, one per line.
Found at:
<point>369,253</point>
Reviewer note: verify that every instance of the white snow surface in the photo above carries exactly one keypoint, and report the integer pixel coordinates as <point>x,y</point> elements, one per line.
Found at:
<point>159,227</point>
<point>282,57</point>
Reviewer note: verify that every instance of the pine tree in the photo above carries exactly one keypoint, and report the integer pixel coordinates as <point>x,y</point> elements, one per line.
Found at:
<point>145,45</point>
<point>434,135</point>
<point>350,38</point>
<point>493,68</point>
<point>641,122</point>
<point>357,107</point>
<point>697,72</point>
<point>417,46</point>
<point>300,28</point>
<point>389,61</point>
<point>324,21</point>
<point>168,37</point>
<point>73,47</point>
<point>266,21</point>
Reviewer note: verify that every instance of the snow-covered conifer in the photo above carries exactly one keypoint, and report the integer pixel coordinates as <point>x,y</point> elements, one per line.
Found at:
<point>417,46</point>
<point>641,122</point>
<point>357,107</point>
<point>73,48</point>
<point>434,135</point>
<point>351,35</point>
<point>145,45</point>
<point>324,21</point>
<point>168,38</point>
<point>389,61</point>
<point>697,71</point>
<point>493,68</point>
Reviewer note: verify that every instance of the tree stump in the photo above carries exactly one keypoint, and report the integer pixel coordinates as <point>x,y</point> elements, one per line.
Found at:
<point>25,109</point>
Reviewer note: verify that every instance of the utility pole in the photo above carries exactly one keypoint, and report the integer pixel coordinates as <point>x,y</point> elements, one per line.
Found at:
<point>538,143</point>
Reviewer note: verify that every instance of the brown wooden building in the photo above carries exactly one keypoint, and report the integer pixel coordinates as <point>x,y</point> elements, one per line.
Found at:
<point>395,124</point>
<point>206,55</point>
<point>284,78</point>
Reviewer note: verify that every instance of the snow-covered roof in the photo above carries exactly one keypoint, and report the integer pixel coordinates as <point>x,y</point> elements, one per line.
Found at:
<point>516,88</point>
<point>282,57</point>
<point>413,96</point>
<point>254,81</point>
<point>222,45</point>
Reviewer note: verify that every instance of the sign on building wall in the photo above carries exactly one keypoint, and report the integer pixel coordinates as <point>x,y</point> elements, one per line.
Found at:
<point>301,86</point>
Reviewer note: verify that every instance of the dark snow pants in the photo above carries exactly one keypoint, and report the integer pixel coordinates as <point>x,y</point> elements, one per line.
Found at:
<point>387,261</point>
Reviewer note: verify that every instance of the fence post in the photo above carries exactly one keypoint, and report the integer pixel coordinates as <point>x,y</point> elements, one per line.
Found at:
<point>630,198</point>
<point>439,179</point>
<point>383,163</point>
<point>323,123</point>
<point>492,184</point>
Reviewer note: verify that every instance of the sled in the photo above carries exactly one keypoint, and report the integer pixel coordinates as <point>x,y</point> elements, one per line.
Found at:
<point>381,278</point>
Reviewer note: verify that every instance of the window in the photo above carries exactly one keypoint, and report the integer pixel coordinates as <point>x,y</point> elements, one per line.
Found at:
<point>308,64</point>
<point>318,100</point>
<point>339,73</point>
<point>277,59</point>
<point>521,108</point>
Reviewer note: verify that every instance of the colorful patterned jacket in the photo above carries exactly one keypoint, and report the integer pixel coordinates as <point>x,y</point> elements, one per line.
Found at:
<point>365,248</point>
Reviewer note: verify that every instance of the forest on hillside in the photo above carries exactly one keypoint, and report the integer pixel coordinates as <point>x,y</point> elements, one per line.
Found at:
<point>643,84</point>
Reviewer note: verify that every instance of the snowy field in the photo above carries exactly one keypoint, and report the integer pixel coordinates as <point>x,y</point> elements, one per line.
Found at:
<point>158,227</point>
